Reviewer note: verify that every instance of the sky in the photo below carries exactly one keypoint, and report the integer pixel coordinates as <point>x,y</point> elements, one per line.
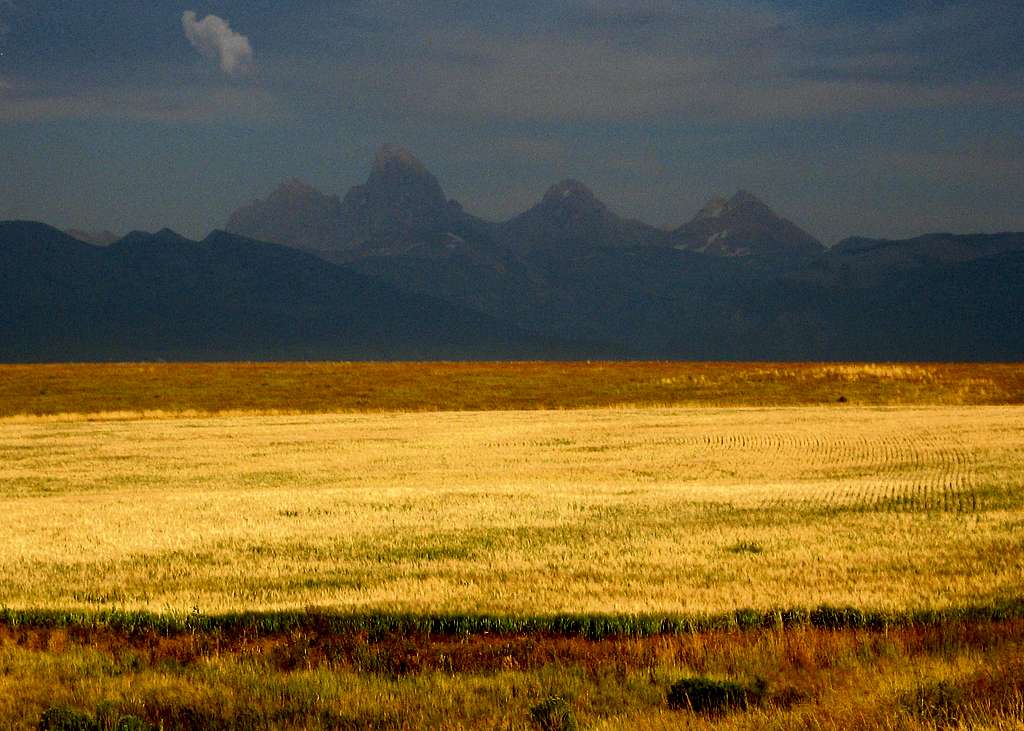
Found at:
<point>852,117</point>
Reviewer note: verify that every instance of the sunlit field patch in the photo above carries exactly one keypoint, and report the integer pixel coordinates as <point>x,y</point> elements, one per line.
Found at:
<point>535,512</point>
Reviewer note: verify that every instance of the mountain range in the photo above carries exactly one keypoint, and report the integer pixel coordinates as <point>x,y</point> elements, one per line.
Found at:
<point>402,209</point>
<point>395,269</point>
<point>162,296</point>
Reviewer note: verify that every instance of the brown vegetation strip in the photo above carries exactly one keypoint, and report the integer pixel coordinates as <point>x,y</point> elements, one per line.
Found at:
<point>801,648</point>
<point>169,388</point>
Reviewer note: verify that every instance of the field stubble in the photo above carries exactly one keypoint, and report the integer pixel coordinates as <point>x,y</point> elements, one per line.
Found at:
<point>606,511</point>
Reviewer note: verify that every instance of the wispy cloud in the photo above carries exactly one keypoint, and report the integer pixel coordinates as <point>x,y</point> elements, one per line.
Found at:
<point>213,37</point>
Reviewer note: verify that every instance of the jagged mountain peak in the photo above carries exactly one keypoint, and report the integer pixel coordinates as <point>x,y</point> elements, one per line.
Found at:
<point>399,198</point>
<point>398,178</point>
<point>390,156</point>
<point>744,225</point>
<point>720,205</point>
<point>570,218</point>
<point>569,189</point>
<point>399,205</point>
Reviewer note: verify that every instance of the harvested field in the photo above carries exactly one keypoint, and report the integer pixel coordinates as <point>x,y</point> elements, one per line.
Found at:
<point>605,511</point>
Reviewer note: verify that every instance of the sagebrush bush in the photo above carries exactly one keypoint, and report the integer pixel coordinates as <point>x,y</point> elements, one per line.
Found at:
<point>59,718</point>
<point>709,695</point>
<point>107,718</point>
<point>554,714</point>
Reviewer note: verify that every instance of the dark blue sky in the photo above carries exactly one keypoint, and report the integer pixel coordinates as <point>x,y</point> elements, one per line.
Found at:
<point>872,118</point>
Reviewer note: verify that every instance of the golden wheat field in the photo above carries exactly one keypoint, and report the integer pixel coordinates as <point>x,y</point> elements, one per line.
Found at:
<point>610,510</point>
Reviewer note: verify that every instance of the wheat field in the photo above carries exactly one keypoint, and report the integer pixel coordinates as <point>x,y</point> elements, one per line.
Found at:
<point>610,510</point>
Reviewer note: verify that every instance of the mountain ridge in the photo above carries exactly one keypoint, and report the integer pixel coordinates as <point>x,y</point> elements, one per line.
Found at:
<point>161,295</point>
<point>396,269</point>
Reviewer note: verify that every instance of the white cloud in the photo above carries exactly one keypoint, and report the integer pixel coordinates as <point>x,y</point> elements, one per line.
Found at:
<point>213,37</point>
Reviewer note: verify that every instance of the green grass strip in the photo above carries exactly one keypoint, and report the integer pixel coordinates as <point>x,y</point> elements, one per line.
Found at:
<point>595,627</point>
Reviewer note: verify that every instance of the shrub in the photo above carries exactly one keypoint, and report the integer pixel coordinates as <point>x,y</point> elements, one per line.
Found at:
<point>59,718</point>
<point>107,719</point>
<point>554,714</point>
<point>708,695</point>
<point>940,702</point>
<point>110,718</point>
